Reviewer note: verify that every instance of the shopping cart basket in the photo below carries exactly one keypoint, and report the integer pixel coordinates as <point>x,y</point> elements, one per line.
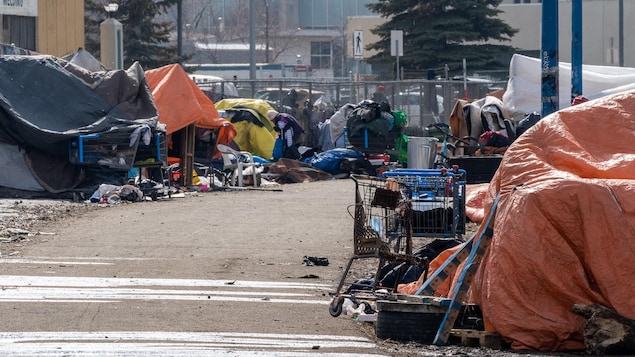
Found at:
<point>381,231</point>
<point>438,200</point>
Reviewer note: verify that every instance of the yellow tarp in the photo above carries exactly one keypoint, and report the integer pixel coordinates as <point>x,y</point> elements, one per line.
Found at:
<point>255,139</point>
<point>250,137</point>
<point>259,105</point>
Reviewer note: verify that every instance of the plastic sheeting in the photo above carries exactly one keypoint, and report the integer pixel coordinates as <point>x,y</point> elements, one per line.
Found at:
<point>522,95</point>
<point>564,227</point>
<point>46,101</point>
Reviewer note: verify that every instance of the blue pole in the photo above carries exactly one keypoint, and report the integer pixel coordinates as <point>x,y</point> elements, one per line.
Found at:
<point>576,48</point>
<point>549,57</point>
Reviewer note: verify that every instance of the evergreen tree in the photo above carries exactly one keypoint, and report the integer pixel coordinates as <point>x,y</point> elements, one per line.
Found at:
<point>440,32</point>
<point>145,40</point>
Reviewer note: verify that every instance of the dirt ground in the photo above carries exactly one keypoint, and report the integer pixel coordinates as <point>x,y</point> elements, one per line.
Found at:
<point>24,223</point>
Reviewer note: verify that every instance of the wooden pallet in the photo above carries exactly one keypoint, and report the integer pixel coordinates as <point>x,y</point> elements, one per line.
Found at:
<point>475,338</point>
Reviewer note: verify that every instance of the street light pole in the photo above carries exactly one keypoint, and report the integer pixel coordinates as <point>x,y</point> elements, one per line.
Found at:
<point>252,40</point>
<point>179,28</point>
<point>111,33</point>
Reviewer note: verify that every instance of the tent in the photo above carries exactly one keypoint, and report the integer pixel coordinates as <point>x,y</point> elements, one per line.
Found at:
<point>47,102</point>
<point>181,105</point>
<point>564,226</point>
<point>179,100</point>
<point>254,130</point>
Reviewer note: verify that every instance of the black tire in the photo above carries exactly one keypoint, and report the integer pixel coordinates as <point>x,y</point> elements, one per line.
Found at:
<point>335,308</point>
<point>408,326</point>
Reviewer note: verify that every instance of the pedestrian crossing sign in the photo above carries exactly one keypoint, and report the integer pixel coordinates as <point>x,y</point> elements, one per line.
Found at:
<point>358,44</point>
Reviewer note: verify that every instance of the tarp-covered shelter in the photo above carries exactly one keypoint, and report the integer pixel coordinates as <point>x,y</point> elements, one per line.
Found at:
<point>184,108</point>
<point>48,102</point>
<point>254,130</point>
<point>180,102</point>
<point>564,226</point>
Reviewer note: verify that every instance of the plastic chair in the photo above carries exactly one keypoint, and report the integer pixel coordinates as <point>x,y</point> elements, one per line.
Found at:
<point>236,162</point>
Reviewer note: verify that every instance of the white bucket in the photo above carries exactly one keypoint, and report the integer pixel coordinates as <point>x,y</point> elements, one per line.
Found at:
<point>422,151</point>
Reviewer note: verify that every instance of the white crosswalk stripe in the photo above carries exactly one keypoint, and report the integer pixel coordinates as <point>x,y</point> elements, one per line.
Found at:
<point>120,343</point>
<point>56,289</point>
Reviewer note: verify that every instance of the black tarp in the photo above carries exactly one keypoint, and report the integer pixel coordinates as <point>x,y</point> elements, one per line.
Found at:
<point>46,101</point>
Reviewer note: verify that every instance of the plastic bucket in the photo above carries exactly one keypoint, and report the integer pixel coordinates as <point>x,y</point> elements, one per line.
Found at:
<point>422,151</point>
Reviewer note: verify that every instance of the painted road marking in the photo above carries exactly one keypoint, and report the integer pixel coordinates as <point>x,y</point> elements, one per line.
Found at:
<point>16,288</point>
<point>26,280</point>
<point>159,343</point>
<point>58,262</point>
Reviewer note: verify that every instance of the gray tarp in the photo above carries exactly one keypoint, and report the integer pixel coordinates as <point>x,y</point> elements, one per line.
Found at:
<point>46,101</point>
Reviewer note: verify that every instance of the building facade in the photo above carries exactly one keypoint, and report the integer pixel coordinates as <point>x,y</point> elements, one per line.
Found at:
<point>318,34</point>
<point>54,27</point>
<point>604,26</point>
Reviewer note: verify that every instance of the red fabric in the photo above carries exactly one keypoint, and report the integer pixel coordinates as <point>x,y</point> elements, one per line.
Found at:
<point>579,99</point>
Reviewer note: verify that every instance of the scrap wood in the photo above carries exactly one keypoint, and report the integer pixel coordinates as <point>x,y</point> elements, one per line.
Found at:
<point>605,331</point>
<point>477,338</point>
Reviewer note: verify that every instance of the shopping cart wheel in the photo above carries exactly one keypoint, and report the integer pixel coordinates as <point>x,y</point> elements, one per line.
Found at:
<point>335,308</point>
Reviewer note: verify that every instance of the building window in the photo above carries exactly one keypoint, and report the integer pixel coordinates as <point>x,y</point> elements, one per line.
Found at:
<point>321,55</point>
<point>19,30</point>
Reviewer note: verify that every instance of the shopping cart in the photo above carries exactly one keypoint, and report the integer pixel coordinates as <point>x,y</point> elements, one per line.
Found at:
<point>382,231</point>
<point>438,200</point>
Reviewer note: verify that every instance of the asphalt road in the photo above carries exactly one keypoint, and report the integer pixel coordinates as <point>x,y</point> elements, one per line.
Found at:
<point>207,274</point>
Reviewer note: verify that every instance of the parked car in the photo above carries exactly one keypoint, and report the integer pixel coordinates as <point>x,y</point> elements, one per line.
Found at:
<point>277,96</point>
<point>216,88</point>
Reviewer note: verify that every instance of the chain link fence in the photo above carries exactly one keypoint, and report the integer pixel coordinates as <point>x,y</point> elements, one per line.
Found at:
<point>424,102</point>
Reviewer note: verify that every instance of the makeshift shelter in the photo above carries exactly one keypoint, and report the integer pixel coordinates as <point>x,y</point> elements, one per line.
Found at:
<point>254,130</point>
<point>85,60</point>
<point>47,103</point>
<point>563,231</point>
<point>182,106</point>
<point>179,100</point>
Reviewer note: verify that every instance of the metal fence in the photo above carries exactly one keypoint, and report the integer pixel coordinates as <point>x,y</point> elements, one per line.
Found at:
<point>423,101</point>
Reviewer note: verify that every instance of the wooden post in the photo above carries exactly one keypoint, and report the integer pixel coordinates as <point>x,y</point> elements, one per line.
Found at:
<point>188,135</point>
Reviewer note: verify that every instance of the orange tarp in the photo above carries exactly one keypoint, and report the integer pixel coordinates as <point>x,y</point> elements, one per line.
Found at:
<point>181,103</point>
<point>564,228</point>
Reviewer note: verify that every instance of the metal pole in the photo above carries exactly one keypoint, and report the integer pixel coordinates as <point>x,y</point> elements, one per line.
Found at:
<point>397,46</point>
<point>549,58</point>
<point>179,30</point>
<point>252,40</point>
<point>621,33</point>
<point>576,48</point>
<point>465,79</point>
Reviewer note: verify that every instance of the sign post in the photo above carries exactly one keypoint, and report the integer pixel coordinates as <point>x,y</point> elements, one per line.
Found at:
<point>576,48</point>
<point>358,49</point>
<point>396,46</point>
